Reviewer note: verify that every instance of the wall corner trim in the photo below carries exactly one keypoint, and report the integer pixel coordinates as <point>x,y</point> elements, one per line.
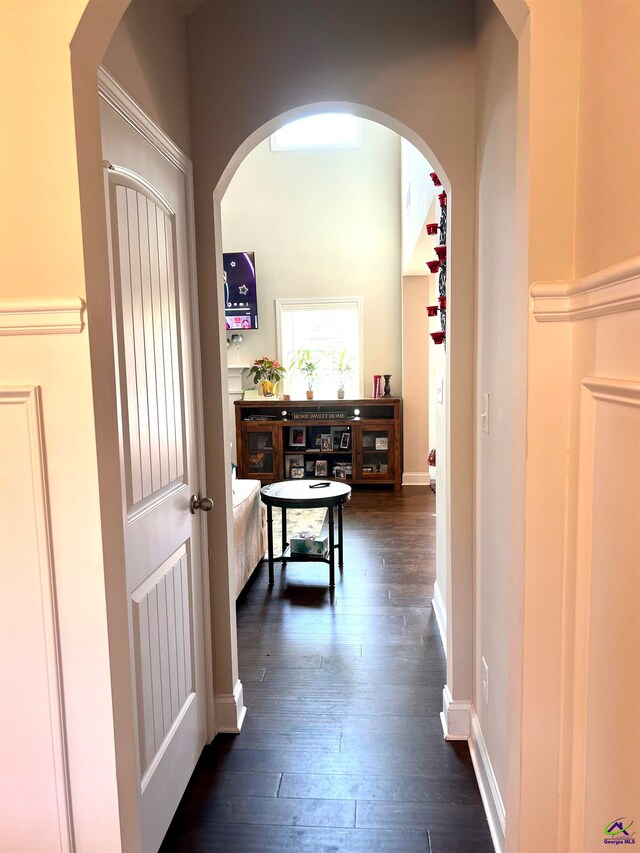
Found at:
<point>41,316</point>
<point>487,782</point>
<point>230,710</point>
<point>614,390</point>
<point>611,290</point>
<point>440,611</point>
<point>455,716</point>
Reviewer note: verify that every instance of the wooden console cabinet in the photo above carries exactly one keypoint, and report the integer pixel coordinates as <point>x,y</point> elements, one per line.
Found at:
<point>358,441</point>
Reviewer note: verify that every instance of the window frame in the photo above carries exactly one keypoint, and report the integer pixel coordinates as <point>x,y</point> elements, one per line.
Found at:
<point>304,303</point>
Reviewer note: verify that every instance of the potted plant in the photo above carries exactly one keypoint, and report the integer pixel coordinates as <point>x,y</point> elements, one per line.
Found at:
<point>268,371</point>
<point>306,363</point>
<point>342,367</point>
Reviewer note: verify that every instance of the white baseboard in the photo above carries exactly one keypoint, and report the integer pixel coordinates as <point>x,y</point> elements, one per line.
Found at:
<point>455,716</point>
<point>489,791</point>
<point>230,711</point>
<point>416,478</point>
<point>441,615</point>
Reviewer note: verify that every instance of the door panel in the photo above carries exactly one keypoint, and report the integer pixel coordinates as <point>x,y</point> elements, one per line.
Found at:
<point>152,294</point>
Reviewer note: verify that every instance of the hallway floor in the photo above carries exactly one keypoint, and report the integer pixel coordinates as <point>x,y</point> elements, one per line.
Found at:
<point>342,746</point>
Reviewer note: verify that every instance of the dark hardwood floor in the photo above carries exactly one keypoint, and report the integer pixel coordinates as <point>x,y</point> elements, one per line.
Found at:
<point>342,746</point>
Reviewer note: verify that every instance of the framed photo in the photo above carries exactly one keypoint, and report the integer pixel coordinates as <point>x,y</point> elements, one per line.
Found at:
<point>310,466</point>
<point>298,436</point>
<point>382,442</point>
<point>296,472</point>
<point>384,468</point>
<point>321,468</point>
<point>327,441</point>
<point>318,441</point>
<point>293,460</point>
<point>345,441</point>
<point>339,473</point>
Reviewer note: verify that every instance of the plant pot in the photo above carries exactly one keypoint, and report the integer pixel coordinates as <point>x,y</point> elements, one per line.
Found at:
<point>432,228</point>
<point>436,180</point>
<point>432,310</point>
<point>267,388</point>
<point>434,266</point>
<point>438,337</point>
<point>441,252</point>
<point>442,198</point>
<point>340,393</point>
<point>442,302</point>
<point>309,394</point>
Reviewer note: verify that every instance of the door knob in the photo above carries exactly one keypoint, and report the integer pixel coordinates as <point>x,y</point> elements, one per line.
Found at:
<point>198,502</point>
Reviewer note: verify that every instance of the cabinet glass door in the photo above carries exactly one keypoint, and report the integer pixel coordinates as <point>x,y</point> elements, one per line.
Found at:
<point>261,458</point>
<point>377,452</point>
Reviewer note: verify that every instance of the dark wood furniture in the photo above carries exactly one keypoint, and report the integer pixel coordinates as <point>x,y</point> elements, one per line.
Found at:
<point>300,495</point>
<point>371,454</point>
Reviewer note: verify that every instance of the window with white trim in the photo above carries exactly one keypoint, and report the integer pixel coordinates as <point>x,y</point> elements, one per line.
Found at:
<point>325,130</point>
<point>327,327</point>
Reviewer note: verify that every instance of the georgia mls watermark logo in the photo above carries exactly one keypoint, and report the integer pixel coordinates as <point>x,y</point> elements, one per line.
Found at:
<point>617,832</point>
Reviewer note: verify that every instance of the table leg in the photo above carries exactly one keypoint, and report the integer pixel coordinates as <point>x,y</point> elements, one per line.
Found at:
<point>340,547</point>
<point>284,530</point>
<point>332,559</point>
<point>270,541</point>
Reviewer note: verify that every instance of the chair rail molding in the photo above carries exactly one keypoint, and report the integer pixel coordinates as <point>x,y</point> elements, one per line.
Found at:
<point>42,316</point>
<point>611,290</point>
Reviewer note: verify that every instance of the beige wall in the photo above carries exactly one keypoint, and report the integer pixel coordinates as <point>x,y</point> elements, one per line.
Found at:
<point>495,172</point>
<point>415,386</point>
<point>148,57</point>
<point>323,223</point>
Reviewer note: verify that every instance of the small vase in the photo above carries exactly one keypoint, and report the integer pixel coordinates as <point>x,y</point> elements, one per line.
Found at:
<point>387,387</point>
<point>309,394</point>
<point>267,388</point>
<point>340,393</point>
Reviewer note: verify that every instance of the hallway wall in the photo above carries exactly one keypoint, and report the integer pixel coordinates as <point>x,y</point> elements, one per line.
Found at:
<point>495,172</point>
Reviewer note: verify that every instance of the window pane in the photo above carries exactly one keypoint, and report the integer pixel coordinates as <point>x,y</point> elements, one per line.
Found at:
<point>326,331</point>
<point>328,130</point>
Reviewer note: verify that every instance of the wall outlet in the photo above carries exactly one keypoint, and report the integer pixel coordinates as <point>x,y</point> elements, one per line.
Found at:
<point>484,413</point>
<point>485,681</point>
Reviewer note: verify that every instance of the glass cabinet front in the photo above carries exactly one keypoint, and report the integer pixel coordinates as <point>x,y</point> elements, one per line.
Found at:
<point>261,453</point>
<point>377,452</point>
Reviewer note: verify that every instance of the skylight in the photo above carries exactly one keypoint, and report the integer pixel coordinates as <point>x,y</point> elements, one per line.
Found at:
<point>327,130</point>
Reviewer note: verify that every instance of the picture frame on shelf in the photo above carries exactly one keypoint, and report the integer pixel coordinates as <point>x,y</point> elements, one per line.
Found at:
<point>318,440</point>
<point>293,460</point>
<point>310,467</point>
<point>296,472</point>
<point>326,441</point>
<point>345,441</point>
<point>321,468</point>
<point>339,473</point>
<point>382,442</point>
<point>298,436</point>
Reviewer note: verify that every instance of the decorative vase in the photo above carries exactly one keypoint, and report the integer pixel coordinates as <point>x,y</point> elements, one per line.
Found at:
<point>434,266</point>
<point>432,228</point>
<point>267,387</point>
<point>441,252</point>
<point>432,310</point>
<point>387,387</point>
<point>438,337</point>
<point>309,393</point>
<point>340,393</point>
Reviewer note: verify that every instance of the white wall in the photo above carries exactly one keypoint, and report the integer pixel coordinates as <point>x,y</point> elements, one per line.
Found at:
<point>323,223</point>
<point>496,164</point>
<point>417,194</point>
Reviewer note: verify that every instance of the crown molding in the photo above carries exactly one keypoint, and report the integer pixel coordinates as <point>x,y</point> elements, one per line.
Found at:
<point>113,94</point>
<point>41,316</point>
<point>612,290</point>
